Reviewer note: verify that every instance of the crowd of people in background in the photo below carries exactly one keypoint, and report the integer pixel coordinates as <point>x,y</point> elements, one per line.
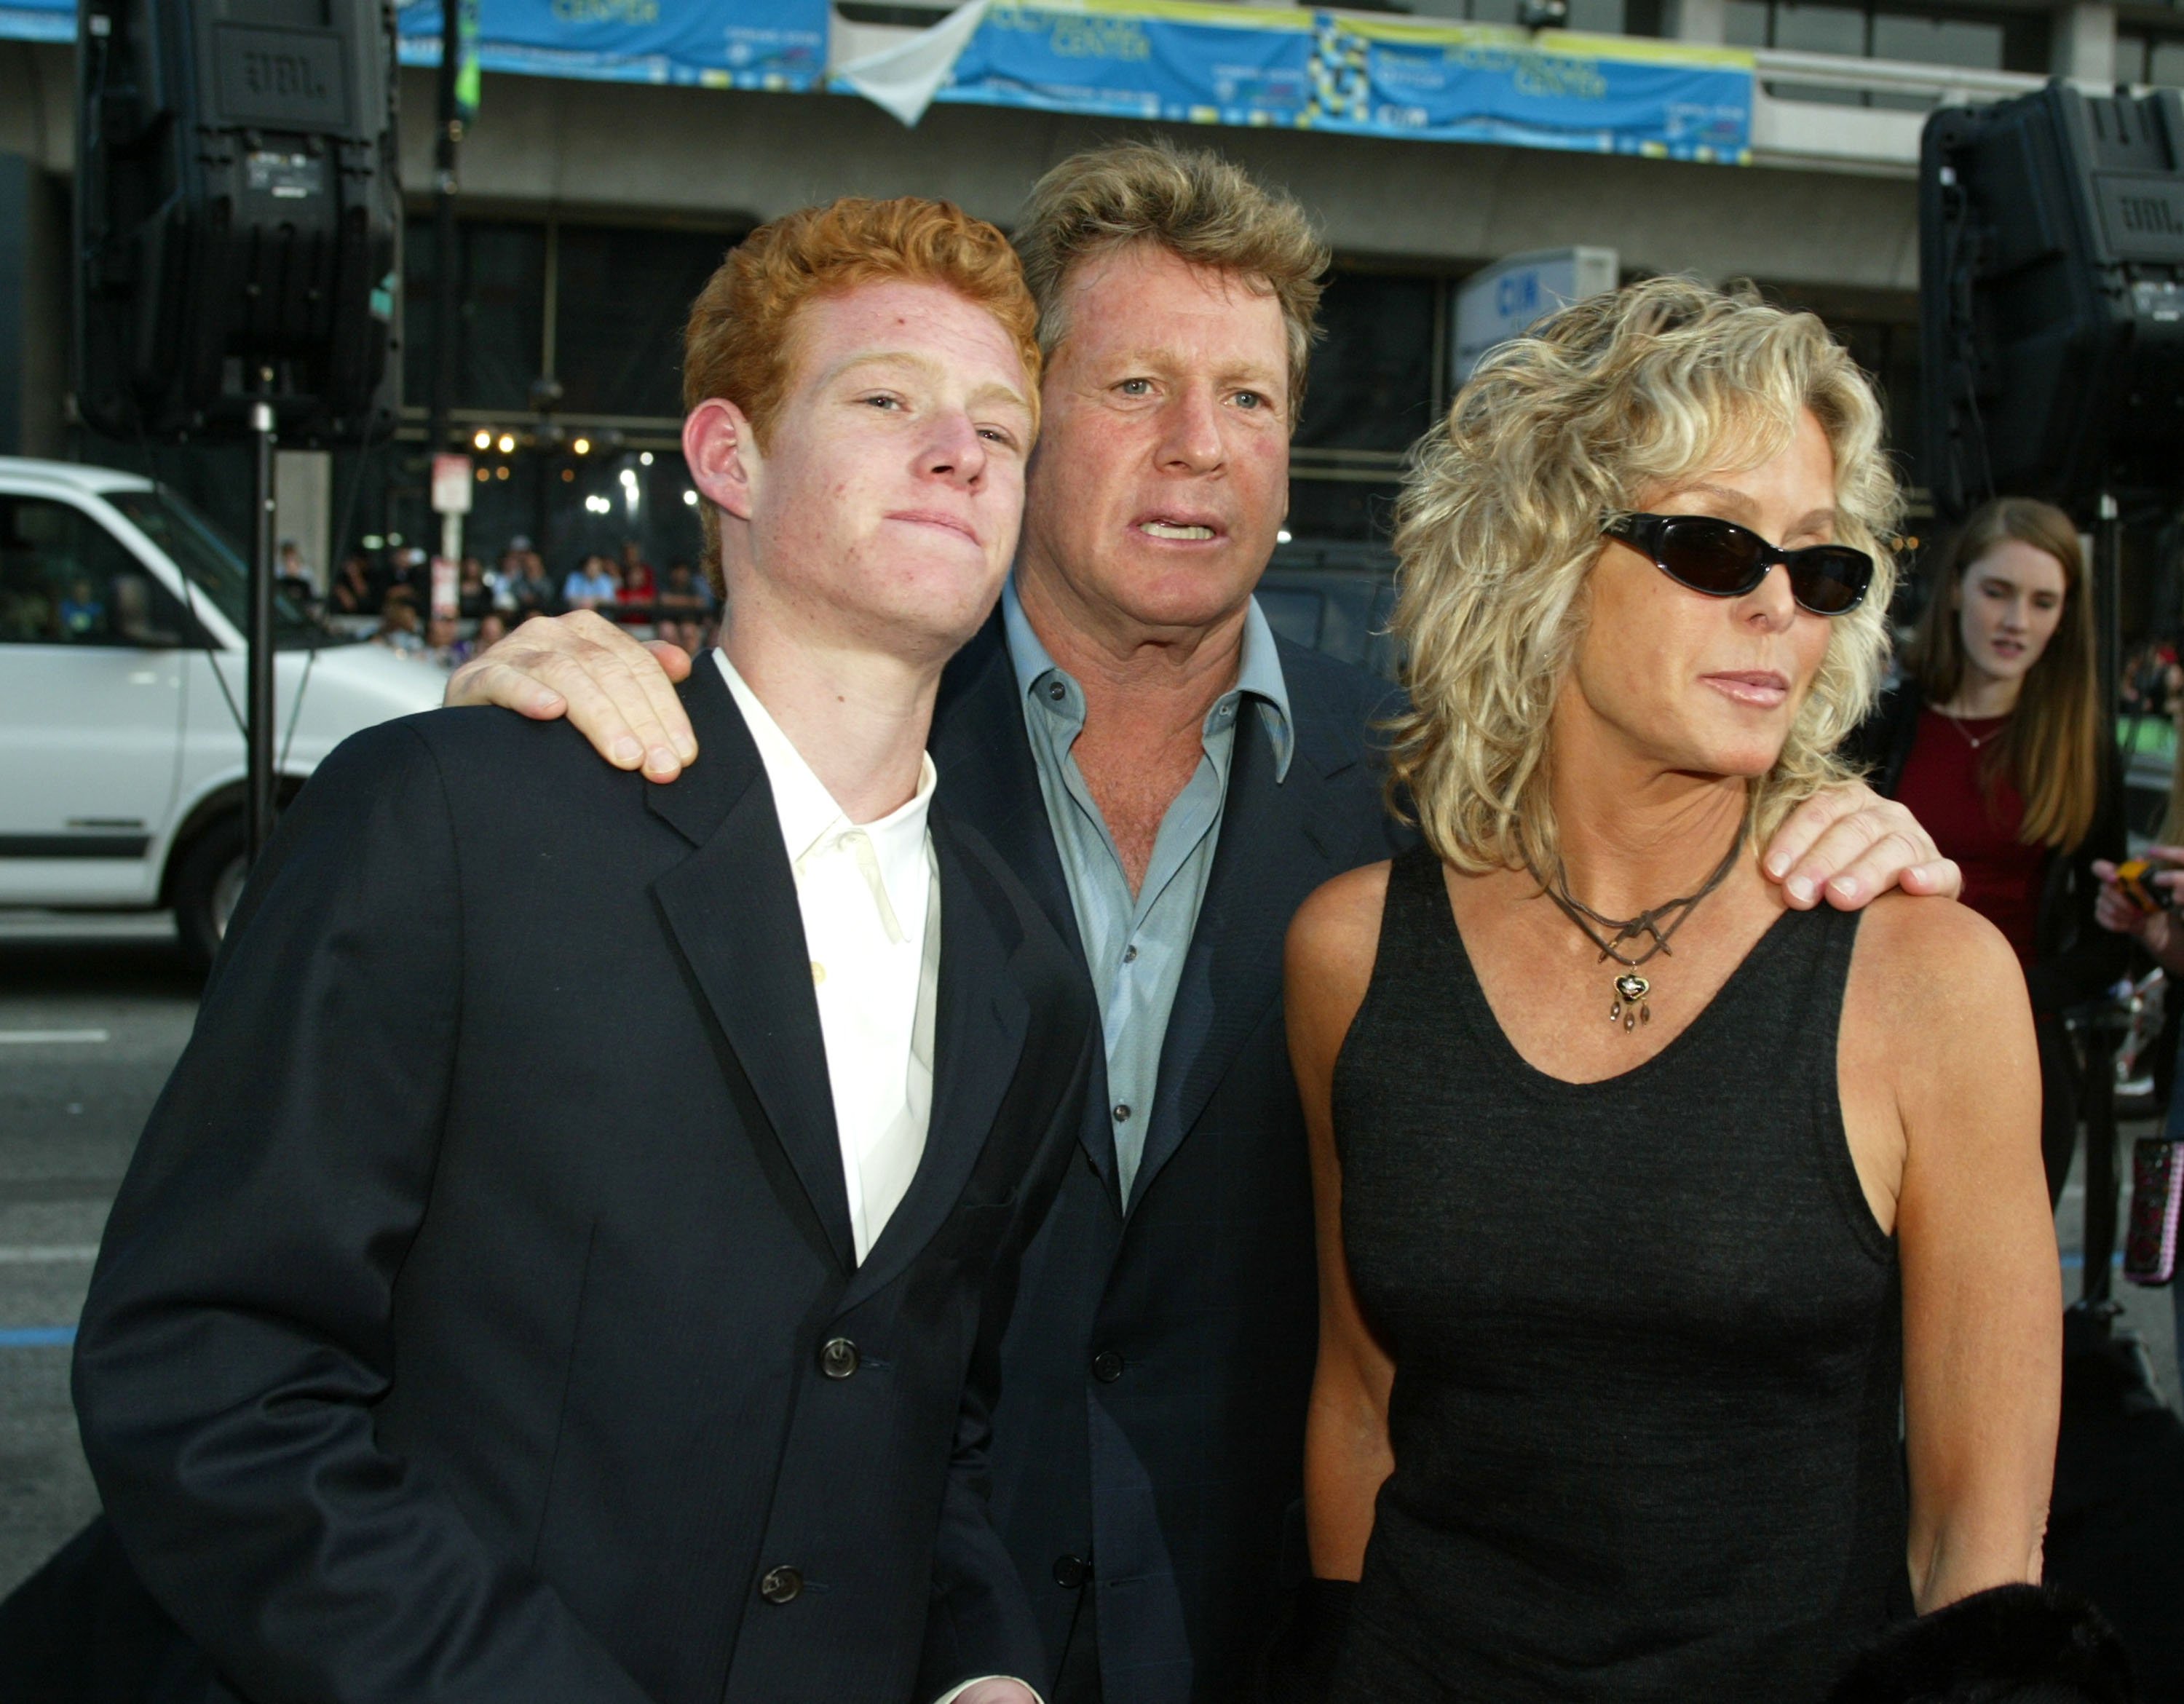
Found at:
<point>395,588</point>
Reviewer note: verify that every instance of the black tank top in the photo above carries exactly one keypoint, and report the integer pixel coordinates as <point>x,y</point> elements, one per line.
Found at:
<point>1647,1340</point>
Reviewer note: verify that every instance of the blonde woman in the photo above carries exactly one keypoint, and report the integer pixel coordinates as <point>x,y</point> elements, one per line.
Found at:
<point>1994,739</point>
<point>1642,1197</point>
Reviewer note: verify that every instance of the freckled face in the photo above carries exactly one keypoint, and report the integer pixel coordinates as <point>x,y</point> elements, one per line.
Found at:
<point>1707,685</point>
<point>1162,471</point>
<point>2009,604</point>
<point>888,501</point>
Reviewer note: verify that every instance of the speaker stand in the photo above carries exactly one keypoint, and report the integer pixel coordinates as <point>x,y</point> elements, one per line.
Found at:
<point>260,720</point>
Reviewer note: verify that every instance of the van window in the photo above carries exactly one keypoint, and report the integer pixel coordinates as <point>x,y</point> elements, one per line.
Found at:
<point>64,580</point>
<point>211,566</point>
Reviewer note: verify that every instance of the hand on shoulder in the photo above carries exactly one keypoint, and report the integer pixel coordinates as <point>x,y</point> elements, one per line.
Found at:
<point>619,694</point>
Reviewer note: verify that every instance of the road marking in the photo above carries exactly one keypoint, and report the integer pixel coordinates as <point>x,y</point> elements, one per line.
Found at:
<point>47,1254</point>
<point>37,1336</point>
<point>49,1037</point>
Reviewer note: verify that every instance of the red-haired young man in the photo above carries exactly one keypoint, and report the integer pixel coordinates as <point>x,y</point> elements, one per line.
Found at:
<point>448,1344</point>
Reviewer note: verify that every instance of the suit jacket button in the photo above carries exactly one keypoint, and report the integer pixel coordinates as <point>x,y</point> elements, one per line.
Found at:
<point>838,1358</point>
<point>1071,1571</point>
<point>1106,1366</point>
<point>781,1585</point>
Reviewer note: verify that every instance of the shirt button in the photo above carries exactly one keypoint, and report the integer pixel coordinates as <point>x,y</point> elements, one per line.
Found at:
<point>1106,1366</point>
<point>839,1359</point>
<point>818,973</point>
<point>1056,691</point>
<point>1130,955</point>
<point>781,1585</point>
<point>1121,1113</point>
<point>1071,1571</point>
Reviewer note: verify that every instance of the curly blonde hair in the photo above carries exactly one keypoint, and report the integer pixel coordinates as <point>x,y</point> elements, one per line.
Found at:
<point>1499,525</point>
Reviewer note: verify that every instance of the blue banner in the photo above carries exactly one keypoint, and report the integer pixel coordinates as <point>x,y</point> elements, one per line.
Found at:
<point>1320,71</point>
<point>1607,94</point>
<point>725,44</point>
<point>1144,59</point>
<point>37,20</point>
<point>1186,63</point>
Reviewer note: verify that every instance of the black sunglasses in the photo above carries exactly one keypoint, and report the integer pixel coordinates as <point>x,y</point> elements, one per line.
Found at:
<point>1725,560</point>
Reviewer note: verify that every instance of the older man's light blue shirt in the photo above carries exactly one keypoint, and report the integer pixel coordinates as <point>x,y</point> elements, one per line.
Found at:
<point>1135,946</point>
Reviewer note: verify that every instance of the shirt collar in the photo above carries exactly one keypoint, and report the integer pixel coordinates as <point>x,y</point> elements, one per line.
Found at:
<point>1259,670</point>
<point>808,812</point>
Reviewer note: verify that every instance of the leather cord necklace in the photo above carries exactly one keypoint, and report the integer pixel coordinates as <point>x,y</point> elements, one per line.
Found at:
<point>1630,1006</point>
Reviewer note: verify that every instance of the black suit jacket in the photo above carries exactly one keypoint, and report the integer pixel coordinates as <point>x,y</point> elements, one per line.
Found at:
<point>458,1333</point>
<point>1154,1377</point>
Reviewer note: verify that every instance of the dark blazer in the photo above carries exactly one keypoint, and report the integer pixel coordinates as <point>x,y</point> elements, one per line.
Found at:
<point>478,1320</point>
<point>1154,1377</point>
<point>2075,959</point>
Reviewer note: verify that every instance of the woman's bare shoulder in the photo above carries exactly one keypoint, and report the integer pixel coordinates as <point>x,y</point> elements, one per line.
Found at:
<point>1334,939</point>
<point>1923,961</point>
<point>1336,932</point>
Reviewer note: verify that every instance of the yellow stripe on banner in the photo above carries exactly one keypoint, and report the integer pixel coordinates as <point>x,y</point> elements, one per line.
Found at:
<point>1568,43</point>
<point>1293,21</point>
<point>1376,28</point>
<point>1639,49</point>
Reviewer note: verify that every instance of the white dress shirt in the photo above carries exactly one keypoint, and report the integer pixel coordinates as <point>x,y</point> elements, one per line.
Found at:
<point>871,906</point>
<point>869,896</point>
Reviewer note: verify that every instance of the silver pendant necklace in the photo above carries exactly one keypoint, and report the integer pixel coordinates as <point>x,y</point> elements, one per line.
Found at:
<point>1974,741</point>
<point>1631,1005</point>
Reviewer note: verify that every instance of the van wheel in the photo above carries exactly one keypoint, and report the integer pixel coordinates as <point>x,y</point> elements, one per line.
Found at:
<point>208,881</point>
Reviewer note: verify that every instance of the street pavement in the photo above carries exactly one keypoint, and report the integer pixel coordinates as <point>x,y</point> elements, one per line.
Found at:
<point>93,1015</point>
<point>93,1012</point>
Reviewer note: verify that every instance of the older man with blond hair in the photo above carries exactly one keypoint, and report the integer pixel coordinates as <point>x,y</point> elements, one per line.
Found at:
<point>1171,780</point>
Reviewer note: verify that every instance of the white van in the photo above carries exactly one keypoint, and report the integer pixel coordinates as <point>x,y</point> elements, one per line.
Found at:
<point>122,667</point>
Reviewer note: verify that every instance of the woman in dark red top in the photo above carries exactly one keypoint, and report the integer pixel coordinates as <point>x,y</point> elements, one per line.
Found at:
<point>638,585</point>
<point>1995,741</point>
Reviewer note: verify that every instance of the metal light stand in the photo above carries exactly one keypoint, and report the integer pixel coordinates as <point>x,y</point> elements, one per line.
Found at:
<point>2108,595</point>
<point>2101,1025</point>
<point>258,731</point>
<point>445,272</point>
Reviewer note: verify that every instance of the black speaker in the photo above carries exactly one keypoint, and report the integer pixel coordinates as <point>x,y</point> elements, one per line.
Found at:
<point>2051,285</point>
<point>238,217</point>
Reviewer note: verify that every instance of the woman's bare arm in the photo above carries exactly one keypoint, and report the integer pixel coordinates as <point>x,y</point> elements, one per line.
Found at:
<point>1937,1012</point>
<point>1332,944</point>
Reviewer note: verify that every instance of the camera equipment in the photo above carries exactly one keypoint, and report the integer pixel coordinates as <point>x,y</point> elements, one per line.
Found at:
<point>238,226</point>
<point>2052,298</point>
<point>238,213</point>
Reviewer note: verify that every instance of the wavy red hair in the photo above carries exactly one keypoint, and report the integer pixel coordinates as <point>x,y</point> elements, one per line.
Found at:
<point>741,345</point>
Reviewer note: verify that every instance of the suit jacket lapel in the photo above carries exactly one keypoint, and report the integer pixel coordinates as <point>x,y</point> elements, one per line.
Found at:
<point>1270,855</point>
<point>732,906</point>
<point>987,777</point>
<point>979,1022</point>
<point>989,780</point>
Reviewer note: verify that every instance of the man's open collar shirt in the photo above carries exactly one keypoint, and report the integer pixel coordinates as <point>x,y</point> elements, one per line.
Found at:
<point>1135,946</point>
<point>866,893</point>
